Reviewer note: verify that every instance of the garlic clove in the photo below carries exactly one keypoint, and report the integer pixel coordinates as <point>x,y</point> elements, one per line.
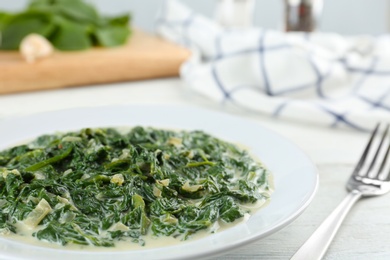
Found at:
<point>35,46</point>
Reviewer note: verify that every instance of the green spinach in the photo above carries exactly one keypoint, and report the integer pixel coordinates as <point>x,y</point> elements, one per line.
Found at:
<point>68,25</point>
<point>98,186</point>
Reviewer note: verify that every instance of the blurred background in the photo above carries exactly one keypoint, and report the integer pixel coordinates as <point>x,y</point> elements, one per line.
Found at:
<point>340,16</point>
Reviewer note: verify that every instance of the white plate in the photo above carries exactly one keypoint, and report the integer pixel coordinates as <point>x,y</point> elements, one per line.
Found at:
<point>295,176</point>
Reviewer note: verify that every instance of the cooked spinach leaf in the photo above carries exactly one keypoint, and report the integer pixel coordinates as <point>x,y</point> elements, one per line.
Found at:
<point>98,186</point>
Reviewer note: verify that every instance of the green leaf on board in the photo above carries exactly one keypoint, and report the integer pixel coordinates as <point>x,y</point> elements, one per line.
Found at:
<point>15,28</point>
<point>68,25</point>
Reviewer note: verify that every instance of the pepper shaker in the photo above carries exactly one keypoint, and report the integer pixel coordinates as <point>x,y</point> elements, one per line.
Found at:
<point>302,15</point>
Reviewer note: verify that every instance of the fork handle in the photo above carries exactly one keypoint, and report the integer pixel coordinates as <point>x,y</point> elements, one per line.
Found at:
<point>317,244</point>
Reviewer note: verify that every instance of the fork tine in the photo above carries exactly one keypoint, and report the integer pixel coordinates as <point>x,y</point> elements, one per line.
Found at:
<point>385,158</point>
<point>365,153</point>
<point>384,163</point>
<point>377,152</point>
<point>387,178</point>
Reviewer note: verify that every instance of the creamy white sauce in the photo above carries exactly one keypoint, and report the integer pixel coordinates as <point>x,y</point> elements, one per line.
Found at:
<point>25,236</point>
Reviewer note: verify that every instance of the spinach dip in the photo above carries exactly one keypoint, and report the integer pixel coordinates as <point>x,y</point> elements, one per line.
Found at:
<point>100,186</point>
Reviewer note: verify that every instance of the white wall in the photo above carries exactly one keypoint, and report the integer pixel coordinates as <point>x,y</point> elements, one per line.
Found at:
<point>342,16</point>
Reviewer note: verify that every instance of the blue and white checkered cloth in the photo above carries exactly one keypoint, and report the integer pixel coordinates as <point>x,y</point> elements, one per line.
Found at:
<point>320,78</point>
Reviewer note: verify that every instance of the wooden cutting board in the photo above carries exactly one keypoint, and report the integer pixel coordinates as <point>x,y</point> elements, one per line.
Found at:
<point>144,57</point>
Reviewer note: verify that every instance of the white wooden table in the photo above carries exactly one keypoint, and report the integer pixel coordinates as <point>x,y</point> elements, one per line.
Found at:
<point>366,231</point>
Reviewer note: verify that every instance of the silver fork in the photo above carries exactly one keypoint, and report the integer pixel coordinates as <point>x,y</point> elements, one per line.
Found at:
<point>369,178</point>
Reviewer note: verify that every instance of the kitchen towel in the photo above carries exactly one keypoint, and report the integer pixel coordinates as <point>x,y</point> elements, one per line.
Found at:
<point>322,78</point>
